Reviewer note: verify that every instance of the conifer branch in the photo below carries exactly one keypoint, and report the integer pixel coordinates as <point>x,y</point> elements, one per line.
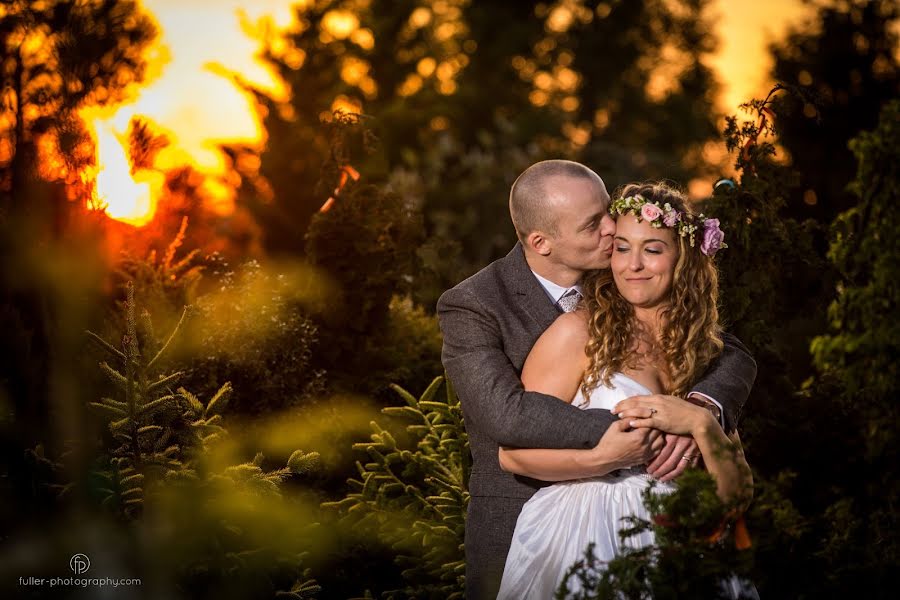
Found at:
<point>154,406</point>
<point>107,410</point>
<point>175,244</point>
<point>184,262</point>
<point>171,337</point>
<point>194,402</point>
<point>105,345</point>
<point>164,381</point>
<point>218,402</point>
<point>114,376</point>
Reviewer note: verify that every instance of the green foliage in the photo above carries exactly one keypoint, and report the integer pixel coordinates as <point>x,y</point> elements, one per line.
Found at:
<point>463,235</point>
<point>150,424</point>
<point>466,94</point>
<point>773,271</point>
<point>164,283</point>
<point>694,553</point>
<point>165,455</point>
<point>864,338</point>
<point>410,349</point>
<point>415,499</point>
<point>367,242</point>
<point>252,328</point>
<point>255,332</point>
<point>857,359</point>
<point>844,59</point>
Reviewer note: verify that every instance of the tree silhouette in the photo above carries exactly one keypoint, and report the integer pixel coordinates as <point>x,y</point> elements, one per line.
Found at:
<point>465,95</point>
<point>845,61</point>
<point>60,57</point>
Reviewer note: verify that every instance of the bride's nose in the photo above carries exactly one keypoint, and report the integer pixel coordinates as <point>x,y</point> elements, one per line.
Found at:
<point>634,261</point>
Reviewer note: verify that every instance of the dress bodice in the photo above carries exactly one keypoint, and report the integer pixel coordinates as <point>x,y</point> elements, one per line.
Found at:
<point>621,386</point>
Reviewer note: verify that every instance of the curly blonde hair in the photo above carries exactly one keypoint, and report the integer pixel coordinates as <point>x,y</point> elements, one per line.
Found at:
<point>690,338</point>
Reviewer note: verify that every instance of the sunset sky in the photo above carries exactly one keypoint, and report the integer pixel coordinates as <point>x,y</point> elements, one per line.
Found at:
<point>199,107</point>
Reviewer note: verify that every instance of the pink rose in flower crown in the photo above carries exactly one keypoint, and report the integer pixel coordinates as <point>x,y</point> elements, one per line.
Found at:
<point>651,212</point>
<point>713,237</point>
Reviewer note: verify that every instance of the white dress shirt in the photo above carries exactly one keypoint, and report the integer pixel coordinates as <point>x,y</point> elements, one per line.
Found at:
<point>555,292</point>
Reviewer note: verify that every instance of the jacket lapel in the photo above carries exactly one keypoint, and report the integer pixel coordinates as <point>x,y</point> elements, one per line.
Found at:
<point>529,293</point>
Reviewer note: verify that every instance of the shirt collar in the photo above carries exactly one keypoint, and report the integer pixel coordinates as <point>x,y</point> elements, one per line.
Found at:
<point>556,291</point>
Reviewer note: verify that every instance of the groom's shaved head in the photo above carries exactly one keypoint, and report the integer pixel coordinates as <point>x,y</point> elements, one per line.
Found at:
<point>532,200</point>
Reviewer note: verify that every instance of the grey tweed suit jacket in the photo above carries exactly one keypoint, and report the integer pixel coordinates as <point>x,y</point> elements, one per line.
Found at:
<point>489,323</point>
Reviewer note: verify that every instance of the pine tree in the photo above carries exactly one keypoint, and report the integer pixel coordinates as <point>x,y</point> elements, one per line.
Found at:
<point>163,441</point>
<point>845,58</point>
<point>858,366</point>
<point>60,57</point>
<point>415,499</point>
<point>465,95</point>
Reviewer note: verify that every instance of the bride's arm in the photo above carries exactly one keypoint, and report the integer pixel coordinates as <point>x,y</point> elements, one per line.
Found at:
<point>722,454</point>
<point>555,366</point>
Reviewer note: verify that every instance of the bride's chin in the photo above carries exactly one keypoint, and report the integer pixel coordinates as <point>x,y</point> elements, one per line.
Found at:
<point>645,303</point>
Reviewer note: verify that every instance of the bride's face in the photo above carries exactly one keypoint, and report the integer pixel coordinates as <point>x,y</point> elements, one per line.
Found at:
<point>643,262</point>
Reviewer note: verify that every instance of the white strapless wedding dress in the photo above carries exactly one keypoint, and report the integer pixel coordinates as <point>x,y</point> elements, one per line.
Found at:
<point>559,521</point>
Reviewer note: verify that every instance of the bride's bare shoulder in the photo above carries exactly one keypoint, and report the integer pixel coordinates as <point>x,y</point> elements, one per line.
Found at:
<point>557,361</point>
<point>569,328</point>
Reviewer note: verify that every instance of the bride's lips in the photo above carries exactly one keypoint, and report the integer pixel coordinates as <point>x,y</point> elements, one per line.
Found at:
<point>638,278</point>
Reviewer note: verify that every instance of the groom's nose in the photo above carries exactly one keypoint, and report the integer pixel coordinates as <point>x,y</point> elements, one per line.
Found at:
<point>607,225</point>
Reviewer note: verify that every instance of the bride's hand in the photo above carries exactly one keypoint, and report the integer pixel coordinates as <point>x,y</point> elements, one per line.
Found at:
<point>668,413</point>
<point>679,453</point>
<point>622,447</point>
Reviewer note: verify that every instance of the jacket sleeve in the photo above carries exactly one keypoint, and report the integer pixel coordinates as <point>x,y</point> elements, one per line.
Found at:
<point>491,392</point>
<point>729,380</point>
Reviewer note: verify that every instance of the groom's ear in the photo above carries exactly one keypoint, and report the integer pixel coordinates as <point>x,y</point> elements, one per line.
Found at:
<point>539,242</point>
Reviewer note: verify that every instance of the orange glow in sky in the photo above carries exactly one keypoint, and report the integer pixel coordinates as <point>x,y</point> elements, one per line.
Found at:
<point>204,107</point>
<point>199,108</point>
<point>742,63</point>
<point>196,106</point>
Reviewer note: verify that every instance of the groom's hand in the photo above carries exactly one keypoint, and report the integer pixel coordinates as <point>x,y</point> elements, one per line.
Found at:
<point>679,452</point>
<point>622,447</point>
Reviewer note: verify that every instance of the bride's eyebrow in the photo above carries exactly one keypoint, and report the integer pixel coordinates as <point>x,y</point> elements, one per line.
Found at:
<point>619,237</point>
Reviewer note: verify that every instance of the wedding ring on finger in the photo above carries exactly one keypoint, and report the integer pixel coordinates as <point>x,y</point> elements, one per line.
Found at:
<point>688,456</point>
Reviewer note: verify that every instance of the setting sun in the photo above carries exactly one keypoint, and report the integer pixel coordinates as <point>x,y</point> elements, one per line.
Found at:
<point>125,196</point>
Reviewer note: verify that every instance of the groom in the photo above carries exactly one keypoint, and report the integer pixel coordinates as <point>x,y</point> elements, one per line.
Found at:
<point>491,320</point>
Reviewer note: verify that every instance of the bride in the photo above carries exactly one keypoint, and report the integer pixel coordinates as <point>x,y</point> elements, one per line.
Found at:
<point>647,329</point>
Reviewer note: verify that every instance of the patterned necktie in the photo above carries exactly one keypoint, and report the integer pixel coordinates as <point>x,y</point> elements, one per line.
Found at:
<point>569,300</point>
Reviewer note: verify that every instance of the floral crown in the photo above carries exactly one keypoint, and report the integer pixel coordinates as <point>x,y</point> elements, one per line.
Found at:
<point>685,224</point>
